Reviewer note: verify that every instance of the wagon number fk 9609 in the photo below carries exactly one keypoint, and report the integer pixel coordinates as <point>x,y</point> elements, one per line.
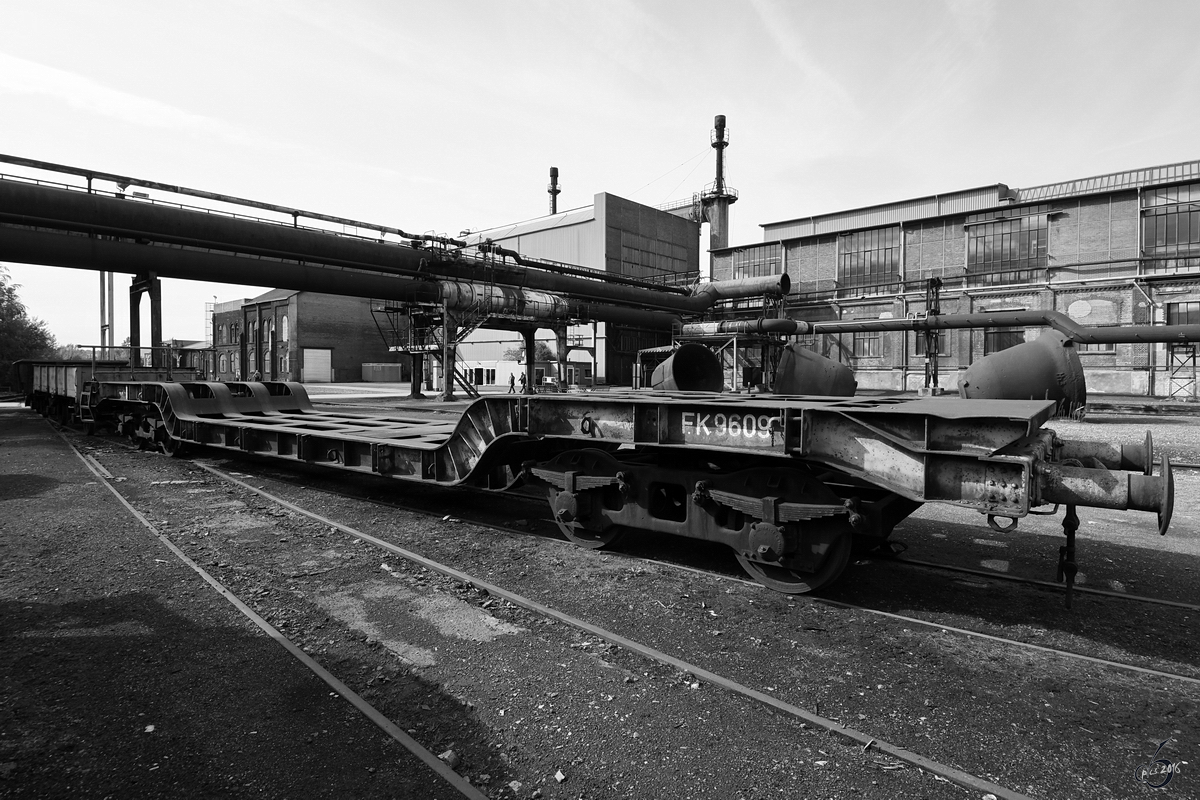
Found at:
<point>757,427</point>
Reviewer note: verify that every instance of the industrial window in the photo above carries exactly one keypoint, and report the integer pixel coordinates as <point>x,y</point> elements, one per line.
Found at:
<point>1171,227</point>
<point>224,368</point>
<point>235,365</point>
<point>220,334</point>
<point>1009,247</point>
<point>1183,313</point>
<point>943,343</point>
<point>251,360</point>
<point>869,258</point>
<point>283,328</point>
<point>754,261</point>
<point>866,344</point>
<point>283,362</point>
<point>997,339</point>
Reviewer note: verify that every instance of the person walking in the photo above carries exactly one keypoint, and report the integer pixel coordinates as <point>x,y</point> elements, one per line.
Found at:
<point>512,384</point>
<point>522,383</point>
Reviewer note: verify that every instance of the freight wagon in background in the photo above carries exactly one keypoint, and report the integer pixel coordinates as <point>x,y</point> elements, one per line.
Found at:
<point>67,390</point>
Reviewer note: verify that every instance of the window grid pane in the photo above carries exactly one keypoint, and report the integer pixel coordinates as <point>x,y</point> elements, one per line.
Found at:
<point>1171,228</point>
<point>752,262</point>
<point>943,343</point>
<point>869,258</point>
<point>1005,251</point>
<point>866,344</point>
<point>997,339</point>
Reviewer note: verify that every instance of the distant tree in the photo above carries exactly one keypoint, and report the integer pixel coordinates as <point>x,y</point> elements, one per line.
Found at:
<point>118,353</point>
<point>542,351</point>
<point>72,352</point>
<point>21,336</point>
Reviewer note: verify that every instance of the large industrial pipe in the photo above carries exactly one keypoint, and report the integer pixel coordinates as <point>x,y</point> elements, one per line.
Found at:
<point>780,327</point>
<point>773,285</point>
<point>25,245</point>
<point>52,249</point>
<point>78,212</point>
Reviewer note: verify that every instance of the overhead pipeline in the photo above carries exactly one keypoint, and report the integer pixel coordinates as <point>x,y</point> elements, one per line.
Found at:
<point>780,327</point>
<point>1060,322</point>
<point>49,210</point>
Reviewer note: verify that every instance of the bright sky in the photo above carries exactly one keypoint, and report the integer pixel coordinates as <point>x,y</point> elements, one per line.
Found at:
<point>441,116</point>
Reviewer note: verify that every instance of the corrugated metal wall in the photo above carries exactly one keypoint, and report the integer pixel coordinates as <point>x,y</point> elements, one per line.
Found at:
<point>969,200</point>
<point>579,244</point>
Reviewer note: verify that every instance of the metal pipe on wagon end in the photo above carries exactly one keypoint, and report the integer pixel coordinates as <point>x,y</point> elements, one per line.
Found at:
<point>1102,488</point>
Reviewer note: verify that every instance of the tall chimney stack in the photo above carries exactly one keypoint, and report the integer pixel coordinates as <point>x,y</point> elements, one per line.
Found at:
<point>717,196</point>
<point>553,190</point>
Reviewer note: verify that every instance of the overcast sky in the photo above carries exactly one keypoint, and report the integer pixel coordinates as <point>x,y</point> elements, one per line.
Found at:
<point>442,116</point>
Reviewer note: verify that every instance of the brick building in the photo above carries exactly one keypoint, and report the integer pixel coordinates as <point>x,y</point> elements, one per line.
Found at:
<point>1116,249</point>
<point>296,336</point>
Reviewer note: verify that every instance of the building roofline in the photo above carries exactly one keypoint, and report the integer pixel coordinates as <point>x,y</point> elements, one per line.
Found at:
<point>1115,181</point>
<point>572,216</point>
<point>895,204</point>
<point>941,204</point>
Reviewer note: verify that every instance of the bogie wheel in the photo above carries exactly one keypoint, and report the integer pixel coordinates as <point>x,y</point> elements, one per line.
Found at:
<point>129,429</point>
<point>171,446</point>
<point>576,533</point>
<point>788,581</point>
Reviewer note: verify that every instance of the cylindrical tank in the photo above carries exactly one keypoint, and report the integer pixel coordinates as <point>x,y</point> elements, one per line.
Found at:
<point>1047,368</point>
<point>693,368</point>
<point>801,371</point>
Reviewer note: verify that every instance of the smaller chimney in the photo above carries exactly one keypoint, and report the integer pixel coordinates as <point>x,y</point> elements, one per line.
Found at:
<point>553,190</point>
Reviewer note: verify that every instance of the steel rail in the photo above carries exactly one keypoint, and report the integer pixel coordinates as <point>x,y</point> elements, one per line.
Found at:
<point>833,726</point>
<point>459,783</point>
<point>1043,584</point>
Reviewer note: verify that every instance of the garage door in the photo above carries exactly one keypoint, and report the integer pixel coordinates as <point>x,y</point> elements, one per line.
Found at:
<point>317,366</point>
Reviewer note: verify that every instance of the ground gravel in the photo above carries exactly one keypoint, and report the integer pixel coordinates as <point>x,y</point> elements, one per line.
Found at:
<point>520,700</point>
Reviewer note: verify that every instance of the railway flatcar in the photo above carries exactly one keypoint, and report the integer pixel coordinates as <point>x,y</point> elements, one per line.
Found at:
<point>792,484</point>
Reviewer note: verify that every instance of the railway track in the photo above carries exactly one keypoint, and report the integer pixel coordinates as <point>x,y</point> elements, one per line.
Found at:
<point>809,714</point>
<point>464,788</point>
<point>867,742</point>
<point>536,508</point>
<point>711,572</point>
<point>720,568</point>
